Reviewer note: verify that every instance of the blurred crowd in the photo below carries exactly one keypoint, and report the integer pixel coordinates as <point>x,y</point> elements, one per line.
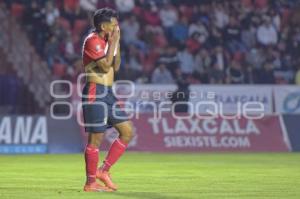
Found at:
<point>170,41</point>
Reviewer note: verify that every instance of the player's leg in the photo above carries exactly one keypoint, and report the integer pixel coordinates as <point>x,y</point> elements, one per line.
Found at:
<point>116,150</point>
<point>91,156</point>
<point>94,120</point>
<point>125,131</point>
<point>91,162</point>
<point>118,118</point>
<point>119,146</point>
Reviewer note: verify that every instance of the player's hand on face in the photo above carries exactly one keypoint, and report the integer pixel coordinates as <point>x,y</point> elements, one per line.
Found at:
<point>119,32</point>
<point>115,34</point>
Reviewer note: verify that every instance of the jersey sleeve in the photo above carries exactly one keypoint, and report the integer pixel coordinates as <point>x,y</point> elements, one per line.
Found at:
<point>94,49</point>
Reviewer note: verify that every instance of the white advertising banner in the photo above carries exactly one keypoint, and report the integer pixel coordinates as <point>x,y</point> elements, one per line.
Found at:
<point>287,99</point>
<point>231,99</point>
<point>227,99</point>
<point>145,97</point>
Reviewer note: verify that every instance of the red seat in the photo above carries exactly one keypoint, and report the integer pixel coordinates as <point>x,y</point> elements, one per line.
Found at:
<point>79,26</point>
<point>71,4</point>
<point>64,23</point>
<point>59,69</point>
<point>261,4</point>
<point>160,41</point>
<point>17,10</point>
<point>149,61</point>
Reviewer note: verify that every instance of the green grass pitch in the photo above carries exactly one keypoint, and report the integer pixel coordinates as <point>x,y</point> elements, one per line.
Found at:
<point>156,176</point>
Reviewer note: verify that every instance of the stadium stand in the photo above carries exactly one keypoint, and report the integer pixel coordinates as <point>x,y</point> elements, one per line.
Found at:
<point>224,42</point>
<point>163,42</point>
<point>20,63</point>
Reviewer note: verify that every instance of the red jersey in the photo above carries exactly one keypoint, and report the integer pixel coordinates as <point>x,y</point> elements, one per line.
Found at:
<point>94,48</point>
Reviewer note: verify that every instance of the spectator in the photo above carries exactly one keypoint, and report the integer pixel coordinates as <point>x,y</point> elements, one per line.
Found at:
<point>199,28</point>
<point>186,62</point>
<point>276,21</point>
<point>143,79</point>
<point>293,43</point>
<point>193,43</point>
<point>216,37</point>
<point>170,59</point>
<point>71,12</point>
<point>151,16</point>
<point>182,94</point>
<point>161,75</point>
<point>88,5</point>
<point>266,74</point>
<point>249,36</point>
<point>180,30</point>
<point>276,59</point>
<point>51,50</point>
<point>35,17</point>
<point>235,73</point>
<point>33,14</point>
<point>232,35</point>
<point>69,49</point>
<point>215,75</point>
<point>52,13</point>
<point>130,29</point>
<point>255,58</point>
<point>168,15</point>
<point>124,6</point>
<point>202,64</point>
<point>220,58</point>
<point>134,61</point>
<point>266,33</point>
<point>127,73</point>
<point>221,18</point>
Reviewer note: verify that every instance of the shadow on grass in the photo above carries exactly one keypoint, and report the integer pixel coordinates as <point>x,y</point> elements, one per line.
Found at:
<point>144,195</point>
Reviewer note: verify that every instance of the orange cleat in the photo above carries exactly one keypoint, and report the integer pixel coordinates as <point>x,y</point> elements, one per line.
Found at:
<point>104,177</point>
<point>95,187</point>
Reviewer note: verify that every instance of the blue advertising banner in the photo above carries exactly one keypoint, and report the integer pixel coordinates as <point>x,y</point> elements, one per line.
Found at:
<point>292,125</point>
<point>287,99</point>
<point>36,134</point>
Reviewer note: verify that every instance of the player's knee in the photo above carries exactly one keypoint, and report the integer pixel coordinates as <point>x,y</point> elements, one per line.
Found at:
<point>127,137</point>
<point>130,135</point>
<point>130,132</point>
<point>95,139</point>
<point>127,134</point>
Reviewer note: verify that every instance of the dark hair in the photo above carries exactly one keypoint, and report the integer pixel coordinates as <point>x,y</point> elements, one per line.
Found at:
<point>103,15</point>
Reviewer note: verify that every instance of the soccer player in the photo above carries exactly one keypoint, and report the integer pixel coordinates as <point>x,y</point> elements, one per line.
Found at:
<point>101,59</point>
